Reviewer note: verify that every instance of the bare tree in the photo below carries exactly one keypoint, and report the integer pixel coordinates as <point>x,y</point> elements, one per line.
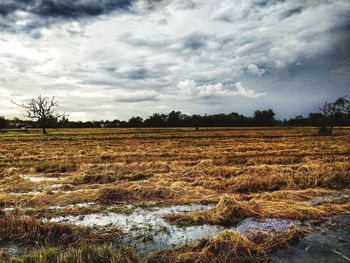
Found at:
<point>332,110</point>
<point>43,110</point>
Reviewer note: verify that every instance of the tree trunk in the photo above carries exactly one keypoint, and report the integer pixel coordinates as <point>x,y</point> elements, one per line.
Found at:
<point>44,130</point>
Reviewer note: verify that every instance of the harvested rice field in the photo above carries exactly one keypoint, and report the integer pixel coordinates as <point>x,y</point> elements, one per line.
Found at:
<point>175,195</point>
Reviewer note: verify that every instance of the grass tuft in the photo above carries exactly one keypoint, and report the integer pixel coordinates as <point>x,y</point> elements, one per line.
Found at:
<point>28,230</point>
<point>84,254</point>
<point>230,211</point>
<point>53,166</point>
<point>231,247</point>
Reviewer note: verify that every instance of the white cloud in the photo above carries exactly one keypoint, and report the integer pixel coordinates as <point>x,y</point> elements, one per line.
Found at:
<point>254,69</point>
<point>130,56</point>
<point>190,88</point>
<point>245,92</point>
<point>187,87</point>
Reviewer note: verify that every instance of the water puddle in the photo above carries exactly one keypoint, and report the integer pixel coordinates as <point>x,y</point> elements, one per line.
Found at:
<point>8,209</point>
<point>140,216</point>
<point>11,249</point>
<point>26,193</point>
<point>325,245</point>
<point>146,231</point>
<point>40,192</point>
<point>78,205</point>
<point>319,199</point>
<point>55,186</point>
<point>269,224</point>
<point>35,179</point>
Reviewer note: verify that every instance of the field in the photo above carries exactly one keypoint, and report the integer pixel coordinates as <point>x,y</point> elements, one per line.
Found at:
<point>173,195</point>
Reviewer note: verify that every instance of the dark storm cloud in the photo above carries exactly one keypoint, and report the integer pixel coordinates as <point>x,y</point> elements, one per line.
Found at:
<point>7,8</point>
<point>194,41</point>
<point>140,73</point>
<point>186,55</point>
<point>63,8</point>
<point>42,13</point>
<point>291,12</point>
<point>265,3</point>
<point>68,8</point>
<point>135,73</point>
<point>110,69</point>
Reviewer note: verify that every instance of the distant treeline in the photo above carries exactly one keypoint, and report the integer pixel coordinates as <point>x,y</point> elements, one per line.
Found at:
<point>178,119</point>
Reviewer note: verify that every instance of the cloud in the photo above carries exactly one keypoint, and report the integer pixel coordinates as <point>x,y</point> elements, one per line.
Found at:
<point>223,14</point>
<point>194,41</point>
<point>254,69</point>
<point>140,73</point>
<point>63,8</point>
<point>245,92</point>
<point>342,73</point>
<point>32,15</point>
<point>141,50</point>
<point>138,96</point>
<point>190,88</point>
<point>291,12</point>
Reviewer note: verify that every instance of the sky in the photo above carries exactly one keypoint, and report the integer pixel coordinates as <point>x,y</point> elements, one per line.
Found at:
<point>113,59</point>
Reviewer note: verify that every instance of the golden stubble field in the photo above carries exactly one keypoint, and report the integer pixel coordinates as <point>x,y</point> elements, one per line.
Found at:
<point>48,182</point>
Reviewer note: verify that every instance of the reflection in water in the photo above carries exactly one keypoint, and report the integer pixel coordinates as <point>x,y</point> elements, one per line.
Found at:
<point>146,230</point>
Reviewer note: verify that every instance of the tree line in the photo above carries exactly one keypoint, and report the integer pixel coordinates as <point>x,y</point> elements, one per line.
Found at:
<point>42,111</point>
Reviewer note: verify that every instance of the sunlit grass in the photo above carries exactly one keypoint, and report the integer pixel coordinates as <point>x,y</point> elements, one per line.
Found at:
<point>242,172</point>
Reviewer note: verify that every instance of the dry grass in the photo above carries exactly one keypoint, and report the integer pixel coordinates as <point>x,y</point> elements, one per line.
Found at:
<point>55,167</point>
<point>176,192</point>
<point>169,165</point>
<point>230,211</point>
<point>27,230</point>
<point>248,172</point>
<point>81,254</point>
<point>120,193</point>
<point>295,195</point>
<point>231,247</point>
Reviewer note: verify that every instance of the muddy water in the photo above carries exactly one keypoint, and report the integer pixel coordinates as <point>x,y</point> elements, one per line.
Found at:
<point>269,224</point>
<point>325,245</point>
<point>11,249</point>
<point>146,230</point>
<point>319,199</point>
<point>36,179</point>
<point>78,205</point>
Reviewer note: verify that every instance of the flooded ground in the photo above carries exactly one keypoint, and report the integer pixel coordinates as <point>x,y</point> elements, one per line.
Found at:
<point>36,179</point>
<point>11,249</point>
<point>319,199</point>
<point>131,181</point>
<point>269,224</point>
<point>146,231</point>
<point>325,245</point>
